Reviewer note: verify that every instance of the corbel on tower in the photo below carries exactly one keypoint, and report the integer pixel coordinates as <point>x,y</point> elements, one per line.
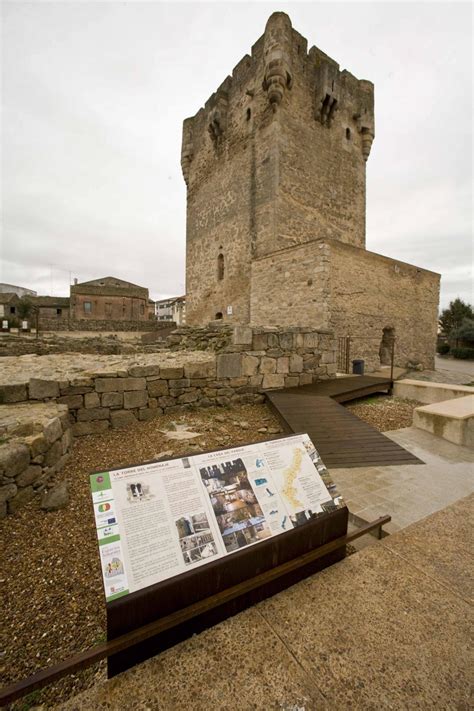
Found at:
<point>277,56</point>
<point>365,116</point>
<point>218,118</point>
<point>327,93</point>
<point>187,148</point>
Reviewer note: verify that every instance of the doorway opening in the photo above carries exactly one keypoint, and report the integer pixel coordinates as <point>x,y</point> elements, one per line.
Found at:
<point>386,345</point>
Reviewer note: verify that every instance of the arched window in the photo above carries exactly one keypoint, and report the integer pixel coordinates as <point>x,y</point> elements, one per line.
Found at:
<point>220,267</point>
<point>348,134</point>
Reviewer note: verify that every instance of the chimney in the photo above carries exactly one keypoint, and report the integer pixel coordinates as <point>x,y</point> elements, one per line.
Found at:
<point>75,281</point>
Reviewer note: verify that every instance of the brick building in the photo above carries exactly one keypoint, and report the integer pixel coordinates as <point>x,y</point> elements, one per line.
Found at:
<point>109,299</point>
<point>275,167</point>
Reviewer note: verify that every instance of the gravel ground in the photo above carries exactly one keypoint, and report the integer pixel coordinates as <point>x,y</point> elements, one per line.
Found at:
<point>53,588</point>
<point>384,412</point>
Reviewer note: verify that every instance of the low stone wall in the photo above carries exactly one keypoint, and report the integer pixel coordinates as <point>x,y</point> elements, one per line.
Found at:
<point>35,440</point>
<point>121,390</point>
<point>62,324</point>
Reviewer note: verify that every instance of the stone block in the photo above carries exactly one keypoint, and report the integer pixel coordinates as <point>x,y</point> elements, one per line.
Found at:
<point>40,389</point>
<point>73,402</point>
<point>143,371</point>
<point>311,364</point>
<point>242,336</point>
<point>13,393</point>
<point>135,398</point>
<point>145,414</point>
<point>7,492</point>
<point>108,385</point>
<point>268,365</point>
<point>259,342</point>
<point>223,401</point>
<point>188,397</point>
<point>292,381</point>
<point>66,440</point>
<point>76,390</point>
<point>327,357</point>
<point>171,373</point>
<point>94,413</point>
<point>91,400</point>
<point>53,454</point>
<point>296,363</point>
<point>306,379</point>
<point>157,387</point>
<point>273,380</point>
<point>286,341</point>
<point>256,380</point>
<point>166,401</point>
<point>112,399</point>
<point>179,383</point>
<point>21,499</point>
<point>37,444</point>
<point>249,365</point>
<point>130,384</point>
<point>283,365</point>
<point>29,476</point>
<point>206,369</point>
<point>14,458</point>
<point>152,403</point>
<point>94,427</point>
<point>331,369</point>
<point>229,365</point>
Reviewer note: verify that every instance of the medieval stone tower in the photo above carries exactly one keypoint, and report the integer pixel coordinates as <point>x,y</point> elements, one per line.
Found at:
<point>275,170</point>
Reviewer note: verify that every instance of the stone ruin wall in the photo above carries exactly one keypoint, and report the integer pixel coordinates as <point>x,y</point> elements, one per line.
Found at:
<point>35,441</point>
<point>68,324</point>
<point>240,366</point>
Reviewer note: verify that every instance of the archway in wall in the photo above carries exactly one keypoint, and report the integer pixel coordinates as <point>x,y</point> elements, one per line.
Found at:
<point>218,316</point>
<point>385,350</point>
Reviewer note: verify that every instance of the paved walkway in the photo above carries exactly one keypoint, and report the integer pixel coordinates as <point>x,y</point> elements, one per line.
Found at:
<point>387,628</point>
<point>409,492</point>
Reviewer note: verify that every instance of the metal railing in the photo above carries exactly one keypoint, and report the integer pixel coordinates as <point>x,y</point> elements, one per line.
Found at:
<point>106,649</point>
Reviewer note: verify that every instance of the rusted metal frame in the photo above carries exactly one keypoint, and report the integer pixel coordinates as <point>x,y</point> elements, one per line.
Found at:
<point>101,651</point>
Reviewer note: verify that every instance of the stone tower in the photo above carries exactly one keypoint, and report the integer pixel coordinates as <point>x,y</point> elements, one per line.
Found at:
<point>275,158</point>
<point>275,169</point>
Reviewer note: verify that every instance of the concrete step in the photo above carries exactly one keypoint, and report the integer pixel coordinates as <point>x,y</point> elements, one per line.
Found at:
<point>452,420</point>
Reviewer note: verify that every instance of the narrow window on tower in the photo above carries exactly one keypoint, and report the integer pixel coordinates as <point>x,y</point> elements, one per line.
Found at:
<point>220,267</point>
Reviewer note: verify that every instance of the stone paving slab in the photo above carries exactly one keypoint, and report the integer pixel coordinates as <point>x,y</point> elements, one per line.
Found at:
<point>441,546</point>
<point>380,630</point>
<point>409,493</point>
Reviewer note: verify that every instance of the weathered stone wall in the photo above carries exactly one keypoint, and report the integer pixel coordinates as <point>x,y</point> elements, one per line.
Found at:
<point>370,292</point>
<point>35,443</point>
<point>101,325</point>
<point>110,307</point>
<point>140,387</point>
<point>265,169</point>
<point>291,287</point>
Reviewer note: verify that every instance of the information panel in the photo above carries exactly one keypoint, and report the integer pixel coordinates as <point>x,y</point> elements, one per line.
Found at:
<point>157,520</point>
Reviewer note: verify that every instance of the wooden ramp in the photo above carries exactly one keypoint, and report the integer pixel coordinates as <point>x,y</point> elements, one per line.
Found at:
<point>342,439</point>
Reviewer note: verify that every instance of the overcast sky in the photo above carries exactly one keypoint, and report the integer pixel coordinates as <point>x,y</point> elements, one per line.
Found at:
<point>93,98</point>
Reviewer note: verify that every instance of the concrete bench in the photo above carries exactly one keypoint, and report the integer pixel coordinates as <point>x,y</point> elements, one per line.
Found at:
<point>429,393</point>
<point>452,420</point>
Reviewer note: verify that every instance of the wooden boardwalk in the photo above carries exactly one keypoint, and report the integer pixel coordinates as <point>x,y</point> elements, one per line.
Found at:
<point>342,439</point>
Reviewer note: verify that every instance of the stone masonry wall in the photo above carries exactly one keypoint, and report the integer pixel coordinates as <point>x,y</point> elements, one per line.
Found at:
<point>35,440</point>
<point>100,325</point>
<point>291,287</point>
<point>141,387</point>
<point>370,292</point>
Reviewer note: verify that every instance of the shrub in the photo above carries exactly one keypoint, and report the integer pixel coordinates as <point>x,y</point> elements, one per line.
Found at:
<point>443,348</point>
<point>463,353</point>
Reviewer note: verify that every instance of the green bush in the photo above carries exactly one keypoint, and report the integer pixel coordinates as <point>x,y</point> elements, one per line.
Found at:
<point>463,353</point>
<point>443,348</point>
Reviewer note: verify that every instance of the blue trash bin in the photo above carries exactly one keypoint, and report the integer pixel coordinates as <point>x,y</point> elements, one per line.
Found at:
<point>358,367</point>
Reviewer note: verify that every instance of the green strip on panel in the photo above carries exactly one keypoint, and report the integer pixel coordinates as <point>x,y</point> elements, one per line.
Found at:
<point>110,539</point>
